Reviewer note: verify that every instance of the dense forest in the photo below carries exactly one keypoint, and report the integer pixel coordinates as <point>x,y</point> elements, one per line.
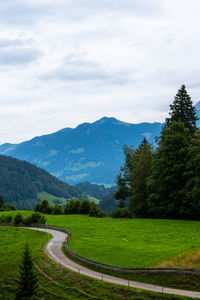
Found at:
<point>164,182</point>
<point>20,183</point>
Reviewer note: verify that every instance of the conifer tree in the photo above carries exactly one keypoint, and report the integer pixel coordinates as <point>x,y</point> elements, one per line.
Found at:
<point>141,170</point>
<point>123,179</point>
<point>28,281</point>
<point>132,182</point>
<point>182,109</point>
<point>167,183</point>
<point>122,191</point>
<point>191,207</point>
<point>1,201</point>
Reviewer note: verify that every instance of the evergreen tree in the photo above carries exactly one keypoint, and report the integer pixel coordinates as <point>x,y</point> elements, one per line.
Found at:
<point>122,191</point>
<point>1,202</point>
<point>123,179</point>
<point>43,207</point>
<point>18,219</point>
<point>84,207</point>
<point>167,183</point>
<point>28,281</point>
<point>140,171</point>
<point>132,184</point>
<point>57,210</point>
<point>182,109</point>
<point>191,207</point>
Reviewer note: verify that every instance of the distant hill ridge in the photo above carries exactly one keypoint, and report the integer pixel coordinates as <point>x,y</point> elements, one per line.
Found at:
<point>21,183</point>
<point>90,152</point>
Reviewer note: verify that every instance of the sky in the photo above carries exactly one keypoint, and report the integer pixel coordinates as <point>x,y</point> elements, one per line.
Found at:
<point>67,62</point>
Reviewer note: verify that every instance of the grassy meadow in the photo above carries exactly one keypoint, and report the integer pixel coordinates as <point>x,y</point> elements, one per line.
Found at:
<point>55,282</point>
<point>132,242</point>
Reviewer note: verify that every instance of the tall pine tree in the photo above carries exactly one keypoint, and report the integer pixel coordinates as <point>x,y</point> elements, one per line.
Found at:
<point>167,183</point>
<point>182,109</point>
<point>191,207</point>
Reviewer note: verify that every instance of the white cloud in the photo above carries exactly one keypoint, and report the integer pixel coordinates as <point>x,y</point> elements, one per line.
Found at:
<point>70,61</point>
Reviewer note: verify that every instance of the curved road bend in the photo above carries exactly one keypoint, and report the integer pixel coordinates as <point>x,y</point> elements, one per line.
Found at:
<point>54,250</point>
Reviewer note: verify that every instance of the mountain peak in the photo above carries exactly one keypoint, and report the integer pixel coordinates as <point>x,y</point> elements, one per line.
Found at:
<point>111,120</point>
<point>105,120</point>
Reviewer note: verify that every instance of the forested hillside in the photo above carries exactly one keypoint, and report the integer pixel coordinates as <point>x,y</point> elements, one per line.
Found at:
<point>20,183</point>
<point>98,191</point>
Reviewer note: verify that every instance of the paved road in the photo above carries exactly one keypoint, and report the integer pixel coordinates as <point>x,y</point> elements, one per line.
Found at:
<point>54,250</point>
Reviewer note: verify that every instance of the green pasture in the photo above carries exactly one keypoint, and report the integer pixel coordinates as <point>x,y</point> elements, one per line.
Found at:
<point>51,198</point>
<point>129,242</point>
<point>55,282</point>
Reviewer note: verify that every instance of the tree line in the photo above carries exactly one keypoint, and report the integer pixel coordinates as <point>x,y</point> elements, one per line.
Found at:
<point>164,182</point>
<point>74,206</point>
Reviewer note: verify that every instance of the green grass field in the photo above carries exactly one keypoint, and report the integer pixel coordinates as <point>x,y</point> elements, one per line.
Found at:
<point>55,282</point>
<point>132,242</point>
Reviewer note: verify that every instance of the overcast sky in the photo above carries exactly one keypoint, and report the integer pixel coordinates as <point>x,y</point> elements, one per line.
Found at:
<point>66,62</point>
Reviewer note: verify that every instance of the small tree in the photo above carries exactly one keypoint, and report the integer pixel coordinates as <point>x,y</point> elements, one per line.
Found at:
<point>28,281</point>
<point>57,210</point>
<point>85,207</point>
<point>43,207</point>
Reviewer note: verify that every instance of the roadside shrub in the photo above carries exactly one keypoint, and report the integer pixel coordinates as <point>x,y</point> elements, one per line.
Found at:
<point>35,218</point>
<point>120,212</point>
<point>18,219</point>
<point>5,219</point>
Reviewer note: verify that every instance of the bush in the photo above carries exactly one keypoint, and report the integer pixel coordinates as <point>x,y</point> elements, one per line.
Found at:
<point>96,211</point>
<point>57,210</point>
<point>18,219</point>
<point>43,207</point>
<point>35,218</point>
<point>72,207</point>
<point>85,207</point>
<point>120,213</point>
<point>11,206</point>
<point>5,219</point>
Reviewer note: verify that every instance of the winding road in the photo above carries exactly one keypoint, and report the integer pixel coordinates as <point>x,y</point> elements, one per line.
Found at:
<point>54,250</point>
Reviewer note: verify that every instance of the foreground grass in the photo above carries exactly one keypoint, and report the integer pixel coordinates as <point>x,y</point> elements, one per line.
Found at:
<point>55,282</point>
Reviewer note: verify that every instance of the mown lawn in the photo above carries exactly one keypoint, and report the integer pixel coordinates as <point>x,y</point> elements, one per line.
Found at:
<point>129,242</point>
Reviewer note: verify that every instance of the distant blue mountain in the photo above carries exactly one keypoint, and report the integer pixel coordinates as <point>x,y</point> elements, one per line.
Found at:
<point>90,152</point>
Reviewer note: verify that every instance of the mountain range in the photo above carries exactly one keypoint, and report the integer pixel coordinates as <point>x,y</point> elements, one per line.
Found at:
<point>90,152</point>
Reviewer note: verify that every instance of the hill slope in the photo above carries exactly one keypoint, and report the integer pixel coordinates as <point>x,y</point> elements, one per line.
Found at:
<point>22,182</point>
<point>98,191</point>
<point>90,152</point>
